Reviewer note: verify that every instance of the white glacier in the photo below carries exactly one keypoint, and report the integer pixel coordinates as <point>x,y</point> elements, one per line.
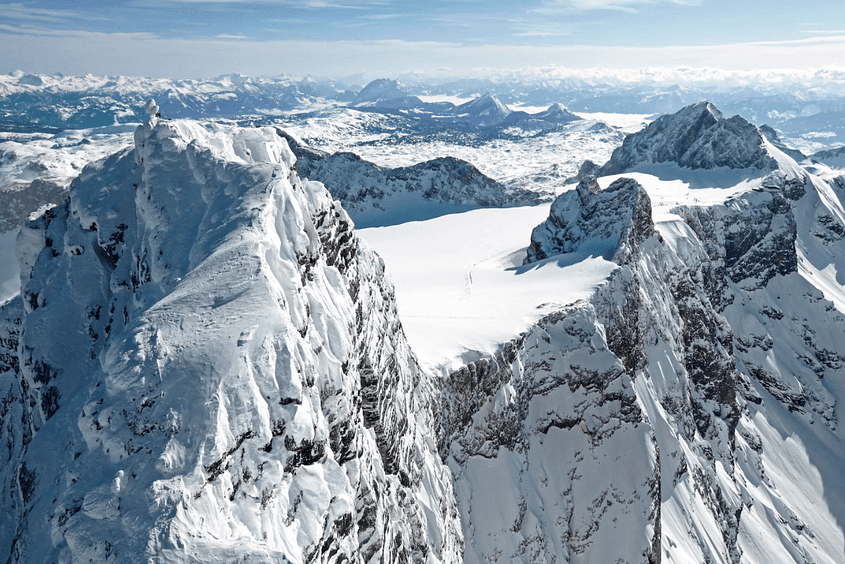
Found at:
<point>205,363</point>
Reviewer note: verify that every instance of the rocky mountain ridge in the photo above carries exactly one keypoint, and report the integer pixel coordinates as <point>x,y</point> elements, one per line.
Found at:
<point>213,366</point>
<point>239,384</point>
<point>374,195</point>
<point>696,137</point>
<point>714,327</point>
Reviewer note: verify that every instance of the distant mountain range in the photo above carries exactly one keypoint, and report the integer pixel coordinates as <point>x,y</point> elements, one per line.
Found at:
<point>206,362</point>
<point>810,117</point>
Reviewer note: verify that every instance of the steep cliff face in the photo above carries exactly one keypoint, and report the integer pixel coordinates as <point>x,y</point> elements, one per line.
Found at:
<point>694,395</point>
<point>375,195</point>
<point>206,365</point>
<point>696,137</point>
<point>536,439</point>
<point>610,223</point>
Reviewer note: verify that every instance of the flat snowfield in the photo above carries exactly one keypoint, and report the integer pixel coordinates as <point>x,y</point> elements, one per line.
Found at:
<point>461,289</point>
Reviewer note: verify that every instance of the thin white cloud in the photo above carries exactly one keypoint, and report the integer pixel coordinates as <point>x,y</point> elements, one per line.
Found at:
<point>228,36</point>
<point>18,31</point>
<point>551,6</point>
<point>524,28</point>
<point>24,12</point>
<point>37,49</point>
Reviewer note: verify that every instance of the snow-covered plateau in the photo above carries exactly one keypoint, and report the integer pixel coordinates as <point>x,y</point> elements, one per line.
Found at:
<point>203,360</point>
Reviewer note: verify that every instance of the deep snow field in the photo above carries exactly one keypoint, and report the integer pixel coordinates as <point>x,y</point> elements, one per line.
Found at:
<point>665,377</point>
<point>460,285</point>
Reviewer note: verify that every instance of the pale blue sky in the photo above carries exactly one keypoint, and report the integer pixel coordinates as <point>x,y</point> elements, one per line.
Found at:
<point>196,38</point>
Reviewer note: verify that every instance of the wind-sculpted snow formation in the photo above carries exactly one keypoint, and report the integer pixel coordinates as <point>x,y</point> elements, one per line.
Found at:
<point>205,365</point>
<point>687,411</point>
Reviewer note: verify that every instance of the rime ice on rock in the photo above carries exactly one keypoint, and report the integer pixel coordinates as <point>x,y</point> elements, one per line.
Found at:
<point>204,363</point>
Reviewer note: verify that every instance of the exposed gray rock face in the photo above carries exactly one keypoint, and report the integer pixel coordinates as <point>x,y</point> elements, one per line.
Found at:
<point>554,416</point>
<point>695,137</point>
<point>761,244</point>
<point>832,157</point>
<point>374,195</point>
<point>17,202</point>
<point>610,223</point>
<point>205,364</point>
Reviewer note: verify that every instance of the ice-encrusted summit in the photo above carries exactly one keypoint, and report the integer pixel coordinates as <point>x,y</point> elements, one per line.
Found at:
<point>696,137</point>
<point>205,363</point>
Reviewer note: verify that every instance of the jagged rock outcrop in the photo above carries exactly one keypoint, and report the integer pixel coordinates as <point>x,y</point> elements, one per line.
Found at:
<point>554,417</point>
<point>375,195</point>
<point>696,137</point>
<point>717,329</point>
<point>206,364</point>
<point>610,223</point>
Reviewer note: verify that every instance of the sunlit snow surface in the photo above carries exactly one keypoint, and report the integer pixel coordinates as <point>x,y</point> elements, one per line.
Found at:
<point>534,159</point>
<point>461,287</point>
<point>59,157</point>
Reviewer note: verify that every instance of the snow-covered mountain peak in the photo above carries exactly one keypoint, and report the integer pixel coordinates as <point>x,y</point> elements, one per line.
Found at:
<point>696,137</point>
<point>216,368</point>
<point>382,89</point>
<point>484,110</point>
<point>241,145</point>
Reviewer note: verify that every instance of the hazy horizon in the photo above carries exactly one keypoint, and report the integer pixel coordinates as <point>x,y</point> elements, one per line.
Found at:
<point>333,38</point>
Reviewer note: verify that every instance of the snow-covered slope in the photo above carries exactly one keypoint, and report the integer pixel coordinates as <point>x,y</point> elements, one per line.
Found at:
<point>206,365</point>
<point>686,408</point>
<point>376,196</point>
<point>695,137</point>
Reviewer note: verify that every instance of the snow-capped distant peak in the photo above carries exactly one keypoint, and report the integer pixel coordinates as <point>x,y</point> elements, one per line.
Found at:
<point>484,110</point>
<point>696,137</point>
<point>382,89</point>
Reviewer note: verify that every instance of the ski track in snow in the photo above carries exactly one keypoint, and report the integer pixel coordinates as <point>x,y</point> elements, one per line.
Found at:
<point>457,299</point>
